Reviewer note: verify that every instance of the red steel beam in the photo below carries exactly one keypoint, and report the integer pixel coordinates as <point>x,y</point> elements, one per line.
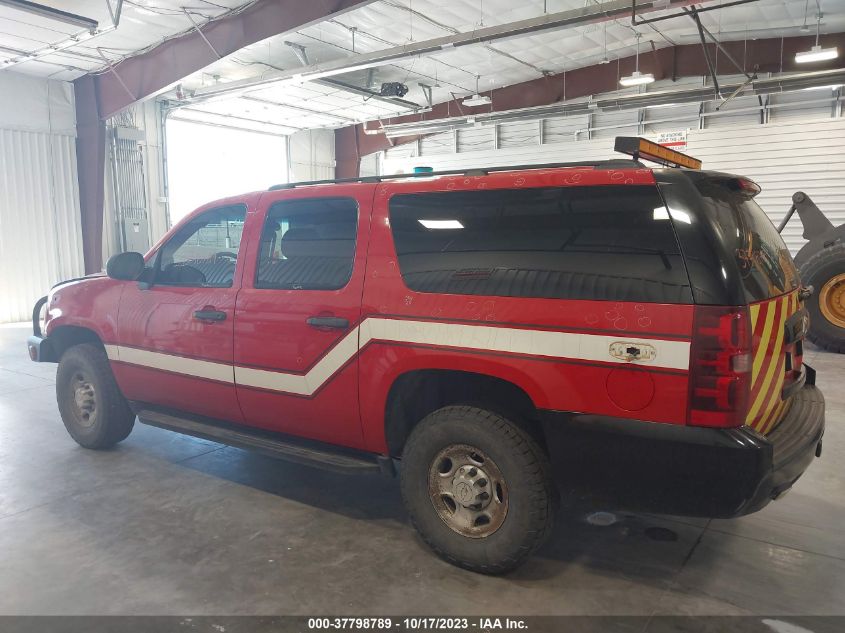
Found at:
<point>764,55</point>
<point>171,61</point>
<point>102,95</point>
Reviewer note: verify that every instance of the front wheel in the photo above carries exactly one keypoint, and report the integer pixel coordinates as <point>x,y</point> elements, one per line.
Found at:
<point>477,488</point>
<point>93,410</point>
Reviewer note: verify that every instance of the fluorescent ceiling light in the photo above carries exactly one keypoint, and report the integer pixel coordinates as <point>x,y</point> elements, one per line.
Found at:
<point>637,78</point>
<point>441,224</point>
<point>816,54</point>
<point>833,87</point>
<point>477,100</point>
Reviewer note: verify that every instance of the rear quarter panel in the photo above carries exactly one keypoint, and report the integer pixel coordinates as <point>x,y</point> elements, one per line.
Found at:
<point>569,371</point>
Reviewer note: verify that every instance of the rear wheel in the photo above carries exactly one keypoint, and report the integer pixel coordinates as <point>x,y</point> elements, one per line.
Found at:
<point>477,488</point>
<point>93,410</point>
<point>825,271</point>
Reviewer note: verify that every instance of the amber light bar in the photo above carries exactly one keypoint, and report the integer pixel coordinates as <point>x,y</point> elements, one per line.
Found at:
<point>649,150</point>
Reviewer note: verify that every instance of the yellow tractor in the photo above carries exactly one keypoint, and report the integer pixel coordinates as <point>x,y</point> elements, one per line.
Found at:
<point>821,264</point>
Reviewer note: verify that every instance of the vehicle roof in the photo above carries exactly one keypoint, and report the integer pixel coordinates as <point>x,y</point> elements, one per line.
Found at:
<point>614,172</point>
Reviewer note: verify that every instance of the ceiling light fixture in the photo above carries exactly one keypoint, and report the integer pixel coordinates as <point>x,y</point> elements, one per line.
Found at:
<point>816,53</point>
<point>477,99</point>
<point>637,78</point>
<point>605,59</point>
<point>52,14</point>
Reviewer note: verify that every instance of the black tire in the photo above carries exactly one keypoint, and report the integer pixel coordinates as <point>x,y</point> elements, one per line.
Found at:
<point>93,410</point>
<point>816,272</point>
<point>530,492</point>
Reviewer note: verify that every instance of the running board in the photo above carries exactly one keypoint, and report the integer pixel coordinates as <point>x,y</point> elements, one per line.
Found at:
<point>281,447</point>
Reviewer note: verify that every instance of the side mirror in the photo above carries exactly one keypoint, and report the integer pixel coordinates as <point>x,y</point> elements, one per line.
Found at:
<point>125,266</point>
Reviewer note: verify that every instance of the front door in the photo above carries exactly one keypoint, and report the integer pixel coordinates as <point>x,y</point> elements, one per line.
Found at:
<point>296,320</point>
<point>175,345</point>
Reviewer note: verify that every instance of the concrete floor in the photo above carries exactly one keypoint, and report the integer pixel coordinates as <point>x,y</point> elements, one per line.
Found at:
<point>166,524</point>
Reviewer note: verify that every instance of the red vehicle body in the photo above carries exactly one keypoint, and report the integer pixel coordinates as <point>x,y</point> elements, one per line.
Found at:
<point>613,387</point>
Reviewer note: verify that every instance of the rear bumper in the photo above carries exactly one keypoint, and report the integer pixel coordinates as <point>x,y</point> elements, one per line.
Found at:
<point>682,470</point>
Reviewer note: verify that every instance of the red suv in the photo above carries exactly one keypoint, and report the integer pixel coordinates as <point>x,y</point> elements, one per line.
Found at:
<point>491,335</point>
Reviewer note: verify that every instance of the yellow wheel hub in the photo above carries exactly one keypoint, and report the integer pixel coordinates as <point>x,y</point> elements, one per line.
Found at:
<point>832,300</point>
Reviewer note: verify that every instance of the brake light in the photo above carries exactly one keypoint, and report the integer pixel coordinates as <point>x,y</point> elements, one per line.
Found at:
<point>720,367</point>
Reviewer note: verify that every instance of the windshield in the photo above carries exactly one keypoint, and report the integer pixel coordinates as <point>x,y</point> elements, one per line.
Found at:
<point>765,265</point>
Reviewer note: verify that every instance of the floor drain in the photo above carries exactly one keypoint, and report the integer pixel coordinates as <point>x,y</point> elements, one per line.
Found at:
<point>661,534</point>
<point>602,519</point>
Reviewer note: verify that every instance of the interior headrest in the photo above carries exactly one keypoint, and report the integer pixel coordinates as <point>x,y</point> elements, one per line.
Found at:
<point>306,242</point>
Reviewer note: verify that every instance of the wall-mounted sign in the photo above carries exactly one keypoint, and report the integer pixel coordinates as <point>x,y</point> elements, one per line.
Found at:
<point>676,140</point>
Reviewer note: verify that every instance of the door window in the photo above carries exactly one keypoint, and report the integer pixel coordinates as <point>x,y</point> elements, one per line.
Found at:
<point>308,244</point>
<point>203,253</point>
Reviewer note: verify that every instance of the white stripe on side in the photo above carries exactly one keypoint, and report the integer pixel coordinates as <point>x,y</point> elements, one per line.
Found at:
<point>561,345</point>
<point>222,372</point>
<point>590,347</point>
<point>307,384</point>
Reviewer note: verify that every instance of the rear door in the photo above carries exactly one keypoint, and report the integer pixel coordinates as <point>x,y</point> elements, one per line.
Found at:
<point>769,283</point>
<point>296,326</point>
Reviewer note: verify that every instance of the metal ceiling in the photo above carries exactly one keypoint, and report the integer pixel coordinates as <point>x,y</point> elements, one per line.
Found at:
<point>46,47</point>
<point>453,72</point>
<point>448,73</point>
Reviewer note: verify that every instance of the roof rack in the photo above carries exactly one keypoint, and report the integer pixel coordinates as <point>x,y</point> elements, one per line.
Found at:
<point>602,164</point>
<point>634,146</point>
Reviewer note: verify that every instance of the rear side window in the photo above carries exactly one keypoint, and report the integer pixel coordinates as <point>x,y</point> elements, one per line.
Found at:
<point>308,244</point>
<point>602,242</point>
<point>749,237</point>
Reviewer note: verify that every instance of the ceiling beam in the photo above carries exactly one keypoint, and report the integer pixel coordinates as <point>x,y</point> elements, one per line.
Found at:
<point>588,14</point>
<point>171,61</point>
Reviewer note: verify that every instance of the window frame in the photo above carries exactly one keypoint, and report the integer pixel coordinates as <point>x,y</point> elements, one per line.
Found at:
<point>156,268</point>
<point>262,285</point>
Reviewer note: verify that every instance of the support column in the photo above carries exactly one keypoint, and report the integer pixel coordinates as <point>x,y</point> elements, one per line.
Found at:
<point>90,165</point>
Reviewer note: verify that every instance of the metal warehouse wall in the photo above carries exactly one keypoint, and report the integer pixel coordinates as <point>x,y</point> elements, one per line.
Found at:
<point>40,234</point>
<point>800,149</point>
<point>783,158</point>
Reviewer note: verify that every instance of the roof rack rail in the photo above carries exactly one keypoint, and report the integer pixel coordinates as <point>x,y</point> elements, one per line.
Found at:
<point>602,164</point>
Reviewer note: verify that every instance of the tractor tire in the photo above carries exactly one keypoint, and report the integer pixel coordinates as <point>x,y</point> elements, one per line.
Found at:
<point>825,271</point>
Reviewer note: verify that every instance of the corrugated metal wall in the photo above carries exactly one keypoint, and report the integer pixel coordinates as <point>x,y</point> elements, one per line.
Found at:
<point>783,158</point>
<point>40,234</point>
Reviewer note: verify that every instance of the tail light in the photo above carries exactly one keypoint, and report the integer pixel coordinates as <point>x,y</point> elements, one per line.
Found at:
<point>720,367</point>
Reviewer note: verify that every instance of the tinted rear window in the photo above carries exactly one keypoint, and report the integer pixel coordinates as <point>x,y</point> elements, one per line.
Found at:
<point>765,265</point>
<point>604,242</point>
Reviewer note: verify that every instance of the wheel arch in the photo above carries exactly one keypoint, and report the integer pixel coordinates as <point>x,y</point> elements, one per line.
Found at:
<point>416,393</point>
<point>63,337</point>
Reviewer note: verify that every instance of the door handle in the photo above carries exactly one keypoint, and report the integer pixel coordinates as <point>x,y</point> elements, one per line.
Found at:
<point>210,315</point>
<point>338,323</point>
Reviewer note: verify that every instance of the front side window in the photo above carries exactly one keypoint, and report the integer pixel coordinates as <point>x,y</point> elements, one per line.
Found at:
<point>308,244</point>
<point>602,242</point>
<point>203,253</point>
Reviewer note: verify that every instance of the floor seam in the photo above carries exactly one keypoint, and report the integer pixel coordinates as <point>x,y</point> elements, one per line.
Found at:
<point>23,373</point>
<point>669,586</point>
<point>17,391</point>
<point>790,547</point>
<point>180,461</point>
